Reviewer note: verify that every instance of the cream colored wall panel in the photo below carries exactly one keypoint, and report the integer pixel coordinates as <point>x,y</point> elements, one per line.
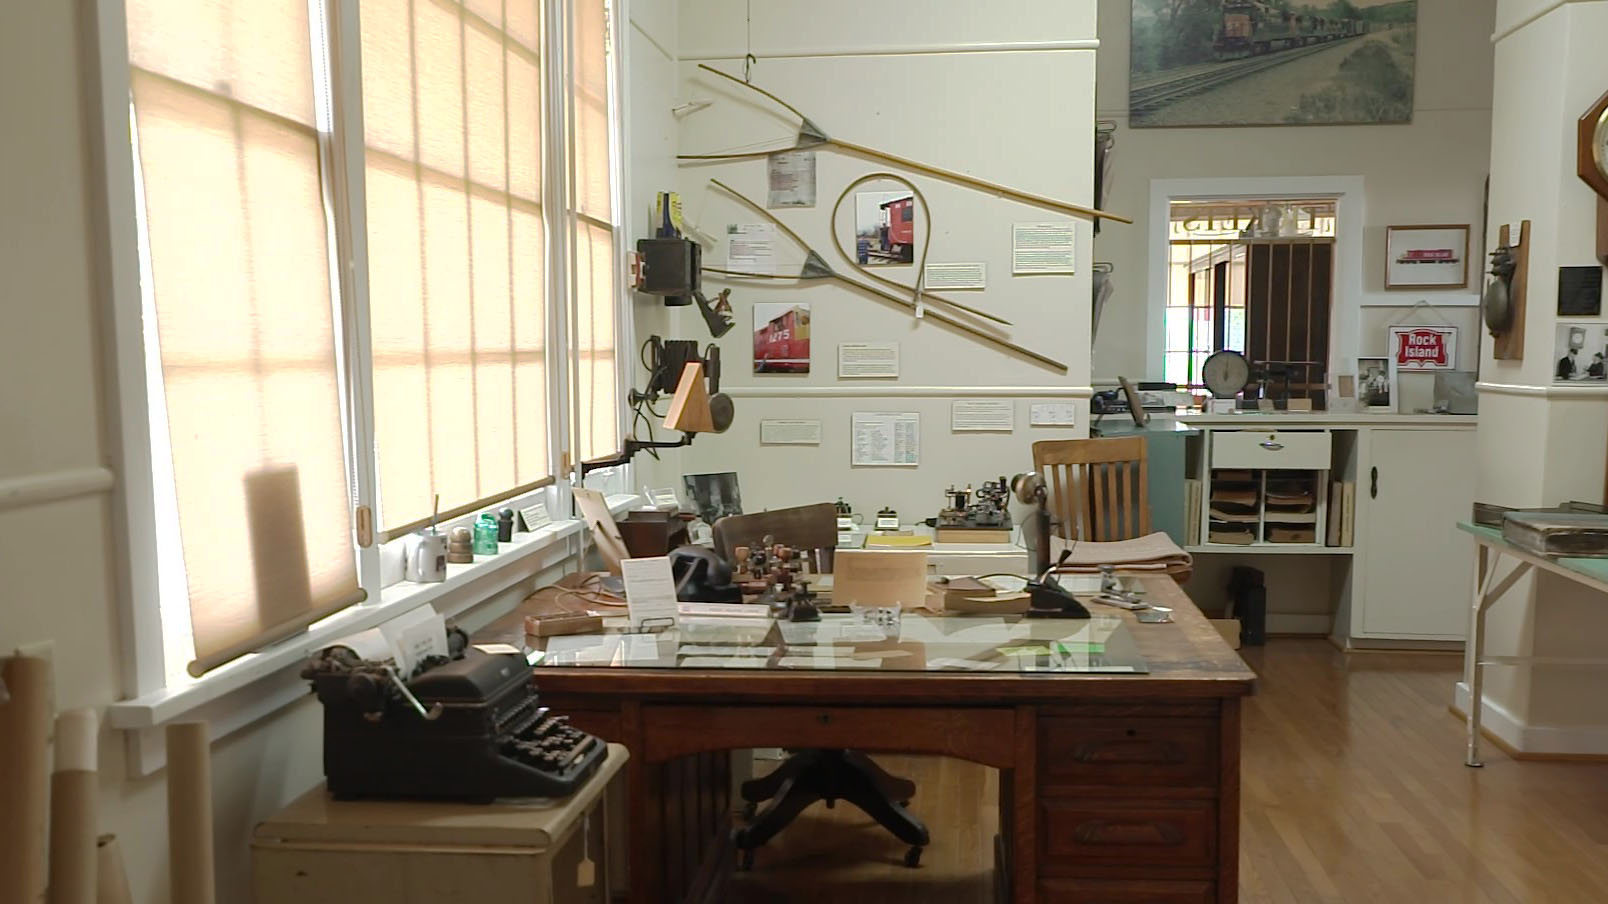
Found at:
<point>658,19</point>
<point>720,27</point>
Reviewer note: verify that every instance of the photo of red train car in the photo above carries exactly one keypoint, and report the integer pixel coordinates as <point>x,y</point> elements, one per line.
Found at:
<point>884,227</point>
<point>781,338</point>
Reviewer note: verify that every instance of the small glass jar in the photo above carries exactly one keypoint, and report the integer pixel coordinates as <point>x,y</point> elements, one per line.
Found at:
<point>486,535</point>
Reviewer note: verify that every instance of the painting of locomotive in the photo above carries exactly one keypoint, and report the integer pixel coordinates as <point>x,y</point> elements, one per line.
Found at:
<point>1272,62</point>
<point>781,338</point>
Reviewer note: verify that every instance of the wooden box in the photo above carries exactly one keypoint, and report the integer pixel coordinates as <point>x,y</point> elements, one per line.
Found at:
<point>322,851</point>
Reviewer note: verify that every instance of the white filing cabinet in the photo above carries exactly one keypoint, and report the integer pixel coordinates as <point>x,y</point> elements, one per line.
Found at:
<point>1405,576</point>
<point>1416,567</point>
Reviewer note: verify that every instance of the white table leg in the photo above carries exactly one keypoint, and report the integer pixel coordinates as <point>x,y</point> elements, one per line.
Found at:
<point>1474,650</point>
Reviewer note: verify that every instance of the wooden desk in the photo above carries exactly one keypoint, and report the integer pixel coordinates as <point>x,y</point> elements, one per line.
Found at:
<point>1114,788</point>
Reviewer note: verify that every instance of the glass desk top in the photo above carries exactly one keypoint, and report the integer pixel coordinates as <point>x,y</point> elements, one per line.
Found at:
<point>917,643</point>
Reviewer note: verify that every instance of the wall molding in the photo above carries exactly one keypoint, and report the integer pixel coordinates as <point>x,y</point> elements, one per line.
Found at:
<point>908,392</point>
<point>1566,391</point>
<point>711,56</point>
<point>1539,741</point>
<point>1507,31</point>
<point>54,486</point>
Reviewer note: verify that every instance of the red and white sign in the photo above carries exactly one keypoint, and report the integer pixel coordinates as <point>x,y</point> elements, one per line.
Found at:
<point>1423,347</point>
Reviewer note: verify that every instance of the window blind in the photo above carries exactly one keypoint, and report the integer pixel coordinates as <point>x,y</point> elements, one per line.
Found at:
<point>452,122</point>
<point>593,235</point>
<point>235,239</point>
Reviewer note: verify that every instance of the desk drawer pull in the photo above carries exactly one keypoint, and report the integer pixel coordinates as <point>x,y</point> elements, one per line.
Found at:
<point>824,718</point>
<point>1135,753</point>
<point>1271,446</point>
<point>1107,831</point>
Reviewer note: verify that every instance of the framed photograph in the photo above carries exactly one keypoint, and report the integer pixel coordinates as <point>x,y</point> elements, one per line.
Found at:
<point>713,496</point>
<point>1578,355</point>
<point>1423,348</point>
<point>781,337</point>
<point>884,227</point>
<point>1426,257</point>
<point>1271,62</point>
<point>1373,384</point>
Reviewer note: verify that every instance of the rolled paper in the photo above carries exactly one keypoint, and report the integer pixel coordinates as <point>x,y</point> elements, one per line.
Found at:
<point>189,768</point>
<point>24,778</point>
<point>111,880</point>
<point>72,810</point>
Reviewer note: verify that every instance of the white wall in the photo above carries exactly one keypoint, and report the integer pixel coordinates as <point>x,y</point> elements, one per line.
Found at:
<point>1540,445</point>
<point>1018,117</point>
<point>1430,171</point>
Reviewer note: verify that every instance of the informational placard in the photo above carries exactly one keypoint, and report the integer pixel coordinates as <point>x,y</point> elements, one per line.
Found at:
<point>1042,248</point>
<point>982,416</point>
<point>885,438</point>
<point>789,433</point>
<point>650,592</point>
<point>868,359</point>
<point>535,516</point>
<point>957,276</point>
<point>751,248</point>
<point>791,175</point>
<point>1052,414</point>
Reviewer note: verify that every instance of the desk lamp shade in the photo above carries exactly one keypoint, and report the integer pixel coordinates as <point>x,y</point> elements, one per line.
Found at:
<point>689,409</point>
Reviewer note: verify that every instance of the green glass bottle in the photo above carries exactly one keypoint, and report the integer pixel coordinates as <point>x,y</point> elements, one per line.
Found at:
<point>486,535</point>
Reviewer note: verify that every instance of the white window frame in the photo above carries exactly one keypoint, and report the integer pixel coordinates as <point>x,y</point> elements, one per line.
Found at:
<point>244,691</point>
<point>1345,311</point>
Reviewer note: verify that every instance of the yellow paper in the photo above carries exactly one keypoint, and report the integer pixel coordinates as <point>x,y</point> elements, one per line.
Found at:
<point>897,541</point>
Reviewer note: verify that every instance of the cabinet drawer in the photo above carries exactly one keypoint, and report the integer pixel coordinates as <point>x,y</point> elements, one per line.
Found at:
<point>1125,891</point>
<point>1270,449</point>
<point>1128,752</point>
<point>1181,833</point>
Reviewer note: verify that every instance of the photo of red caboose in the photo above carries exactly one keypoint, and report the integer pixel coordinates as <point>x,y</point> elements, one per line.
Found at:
<point>1251,27</point>
<point>885,227</point>
<point>781,338</point>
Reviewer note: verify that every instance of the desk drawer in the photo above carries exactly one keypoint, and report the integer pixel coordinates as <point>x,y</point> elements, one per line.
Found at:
<point>1128,752</point>
<point>1270,449</point>
<point>1125,891</point>
<point>1126,832</point>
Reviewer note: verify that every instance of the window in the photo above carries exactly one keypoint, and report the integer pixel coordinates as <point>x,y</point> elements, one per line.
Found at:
<point>1223,257</point>
<point>355,298</point>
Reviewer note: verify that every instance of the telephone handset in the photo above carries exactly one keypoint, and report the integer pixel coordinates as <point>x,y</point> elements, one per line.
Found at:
<point>1048,599</point>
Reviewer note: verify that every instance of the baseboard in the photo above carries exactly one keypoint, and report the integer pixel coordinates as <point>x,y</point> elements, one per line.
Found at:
<point>1285,624</point>
<point>1523,741</point>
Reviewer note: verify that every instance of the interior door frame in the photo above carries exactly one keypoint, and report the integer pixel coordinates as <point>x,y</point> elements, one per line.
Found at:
<point>1345,309</point>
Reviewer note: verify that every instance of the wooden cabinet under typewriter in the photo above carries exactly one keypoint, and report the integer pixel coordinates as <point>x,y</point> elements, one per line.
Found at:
<point>466,728</point>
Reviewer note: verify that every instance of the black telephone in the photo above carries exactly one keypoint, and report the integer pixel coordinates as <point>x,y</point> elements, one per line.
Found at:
<point>1048,599</point>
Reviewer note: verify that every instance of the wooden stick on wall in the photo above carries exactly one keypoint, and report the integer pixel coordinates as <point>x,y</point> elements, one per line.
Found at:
<point>189,768</point>
<point>72,810</point>
<point>111,879</point>
<point>24,778</point>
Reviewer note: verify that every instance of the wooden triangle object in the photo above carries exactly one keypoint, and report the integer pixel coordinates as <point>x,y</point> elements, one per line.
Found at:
<point>689,409</point>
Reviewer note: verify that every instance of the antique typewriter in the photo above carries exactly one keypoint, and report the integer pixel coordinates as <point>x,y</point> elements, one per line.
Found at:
<point>463,727</point>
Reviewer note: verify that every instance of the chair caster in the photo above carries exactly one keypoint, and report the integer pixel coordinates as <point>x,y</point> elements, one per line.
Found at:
<point>745,861</point>
<point>750,810</point>
<point>912,857</point>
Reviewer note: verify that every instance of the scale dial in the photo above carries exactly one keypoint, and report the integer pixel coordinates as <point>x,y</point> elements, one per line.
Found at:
<point>1225,373</point>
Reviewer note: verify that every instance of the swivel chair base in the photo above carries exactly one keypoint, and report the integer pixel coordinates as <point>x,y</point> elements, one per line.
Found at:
<point>829,775</point>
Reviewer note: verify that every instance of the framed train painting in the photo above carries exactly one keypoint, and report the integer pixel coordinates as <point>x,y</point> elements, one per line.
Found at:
<point>1271,62</point>
<point>1426,257</point>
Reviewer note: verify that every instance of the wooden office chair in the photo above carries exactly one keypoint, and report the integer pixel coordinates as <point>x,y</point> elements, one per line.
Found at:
<point>1099,488</point>
<point>816,774</point>
<point>802,527</point>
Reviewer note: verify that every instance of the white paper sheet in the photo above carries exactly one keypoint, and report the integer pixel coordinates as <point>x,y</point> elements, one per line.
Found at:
<point>868,359</point>
<point>415,635</point>
<point>829,633</point>
<point>724,662</point>
<point>582,649</point>
<point>883,439</point>
<point>982,416</point>
<point>792,179</point>
<point>956,276</point>
<point>1052,414</point>
<point>1043,248</point>
<point>650,591</point>
<point>751,248</point>
<point>709,649</point>
<point>789,433</point>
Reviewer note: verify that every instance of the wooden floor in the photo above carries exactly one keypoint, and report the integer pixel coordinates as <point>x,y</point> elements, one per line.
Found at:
<point>1354,791</point>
